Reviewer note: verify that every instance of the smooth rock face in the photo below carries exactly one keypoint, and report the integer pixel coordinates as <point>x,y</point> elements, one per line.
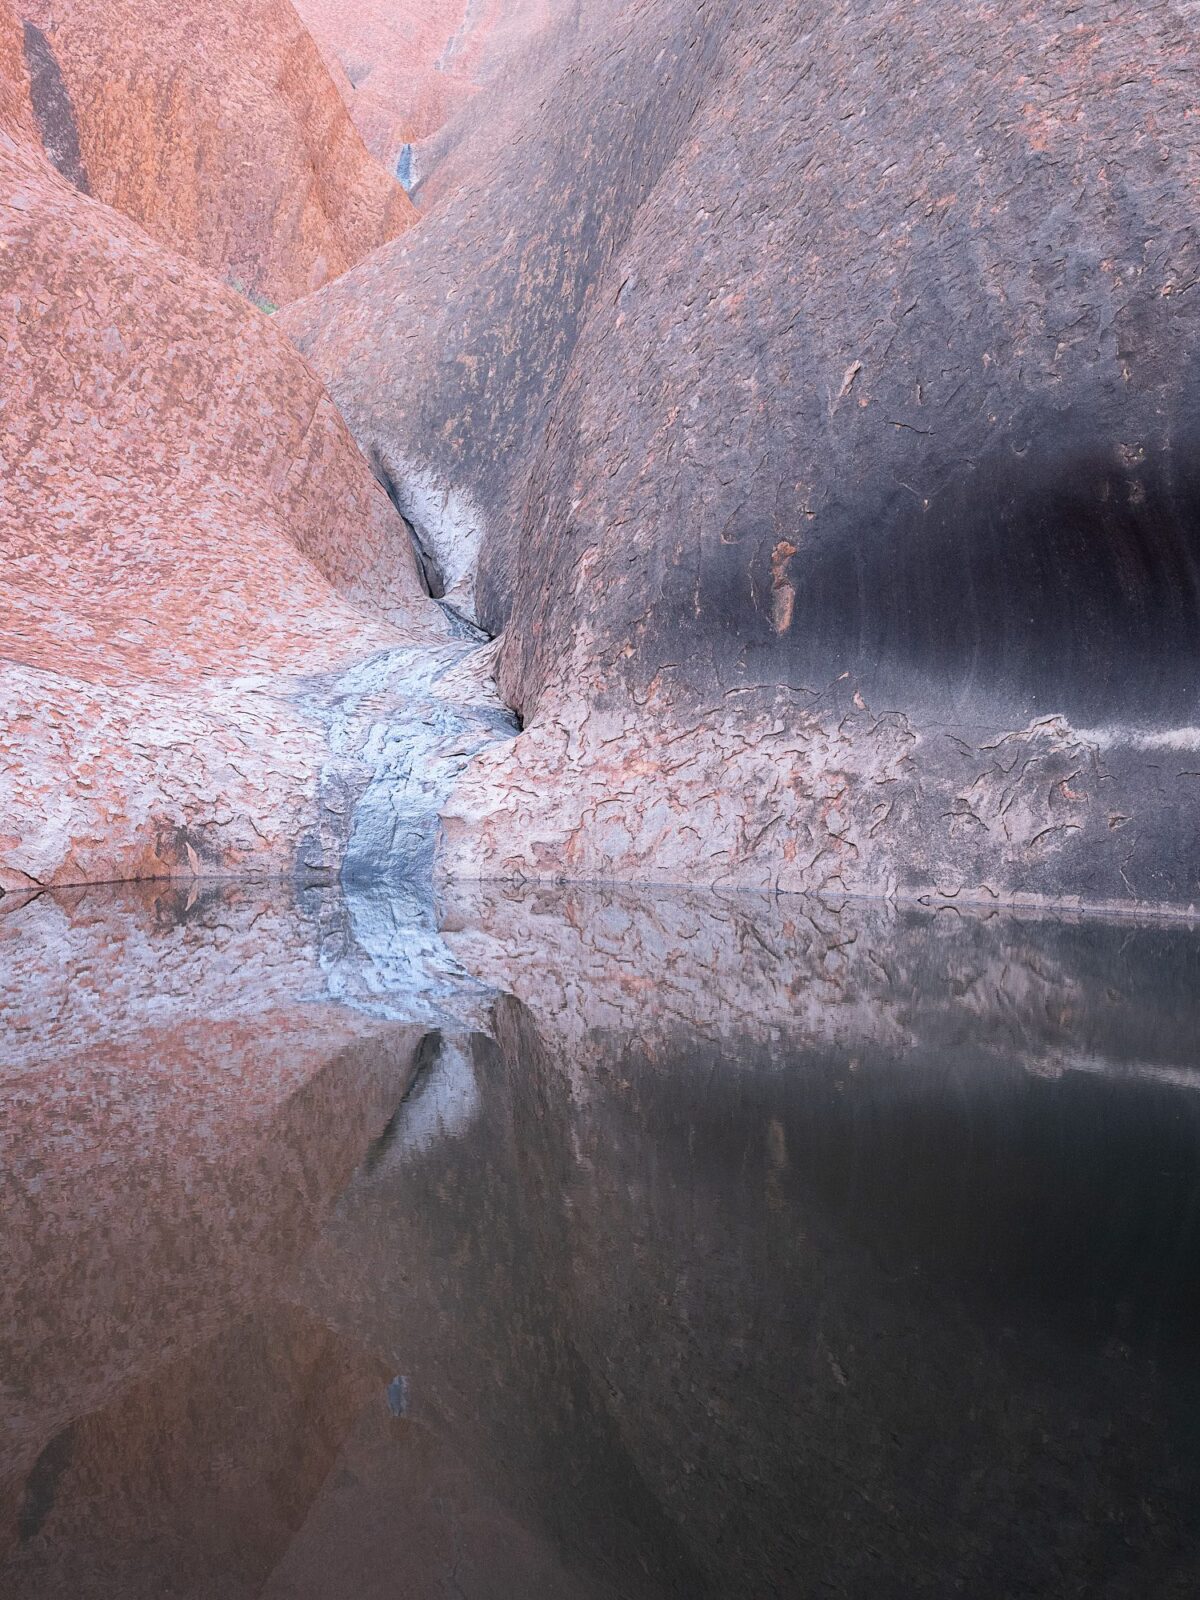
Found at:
<point>212,619</point>
<point>217,126</point>
<point>817,384</point>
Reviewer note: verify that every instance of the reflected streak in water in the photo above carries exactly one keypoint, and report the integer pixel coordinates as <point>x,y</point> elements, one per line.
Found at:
<point>575,1244</point>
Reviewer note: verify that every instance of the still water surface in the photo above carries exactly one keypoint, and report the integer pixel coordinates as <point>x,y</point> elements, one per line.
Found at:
<point>580,1245</point>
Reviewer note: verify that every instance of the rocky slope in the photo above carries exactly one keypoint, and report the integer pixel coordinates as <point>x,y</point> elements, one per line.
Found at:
<point>216,126</point>
<point>410,67</point>
<point>210,606</point>
<point>805,394</point>
<point>808,394</point>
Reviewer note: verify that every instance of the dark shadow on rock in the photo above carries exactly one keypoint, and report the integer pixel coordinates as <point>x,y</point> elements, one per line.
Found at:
<point>52,108</point>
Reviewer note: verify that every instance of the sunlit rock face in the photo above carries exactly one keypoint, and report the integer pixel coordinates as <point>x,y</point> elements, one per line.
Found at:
<point>217,126</point>
<point>211,610</point>
<point>590,1244</point>
<point>817,386</point>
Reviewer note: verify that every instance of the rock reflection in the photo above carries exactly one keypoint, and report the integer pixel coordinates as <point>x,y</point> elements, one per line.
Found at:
<point>713,1247</point>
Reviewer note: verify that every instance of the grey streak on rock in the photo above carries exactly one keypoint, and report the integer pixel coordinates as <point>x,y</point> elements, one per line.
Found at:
<point>52,108</point>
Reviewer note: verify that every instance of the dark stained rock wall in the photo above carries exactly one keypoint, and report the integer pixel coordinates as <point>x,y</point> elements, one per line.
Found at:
<point>446,354</point>
<point>818,385</point>
<point>901,353</point>
<point>52,108</point>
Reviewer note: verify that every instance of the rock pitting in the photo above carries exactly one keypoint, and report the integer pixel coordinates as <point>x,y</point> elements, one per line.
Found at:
<point>197,564</point>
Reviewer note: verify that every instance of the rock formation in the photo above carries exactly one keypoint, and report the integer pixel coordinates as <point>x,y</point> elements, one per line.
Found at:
<point>810,394</point>
<point>209,603</point>
<point>16,110</point>
<point>216,126</point>
<point>409,67</point>
<point>805,396</point>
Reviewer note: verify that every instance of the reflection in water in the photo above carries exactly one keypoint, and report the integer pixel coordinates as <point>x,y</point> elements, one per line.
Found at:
<point>572,1245</point>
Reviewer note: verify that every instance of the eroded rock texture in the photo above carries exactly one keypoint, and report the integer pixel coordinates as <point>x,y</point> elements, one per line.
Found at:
<point>212,615</point>
<point>816,386</point>
<point>217,126</point>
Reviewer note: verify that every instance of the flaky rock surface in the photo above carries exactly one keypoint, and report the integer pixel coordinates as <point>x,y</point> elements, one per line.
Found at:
<point>212,615</point>
<point>816,388</point>
<point>805,396</point>
<point>217,126</point>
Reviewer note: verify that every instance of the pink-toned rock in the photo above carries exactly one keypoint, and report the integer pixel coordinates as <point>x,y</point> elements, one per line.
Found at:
<point>400,63</point>
<point>410,66</point>
<point>217,126</point>
<point>793,593</point>
<point>810,401</point>
<point>16,113</point>
<point>194,555</point>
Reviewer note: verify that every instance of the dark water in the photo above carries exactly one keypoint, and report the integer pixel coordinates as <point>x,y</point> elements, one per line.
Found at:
<point>581,1245</point>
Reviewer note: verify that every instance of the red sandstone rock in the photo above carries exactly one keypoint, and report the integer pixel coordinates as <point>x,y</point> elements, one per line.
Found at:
<point>216,126</point>
<point>823,446</point>
<point>194,553</point>
<point>402,70</point>
<point>16,113</point>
